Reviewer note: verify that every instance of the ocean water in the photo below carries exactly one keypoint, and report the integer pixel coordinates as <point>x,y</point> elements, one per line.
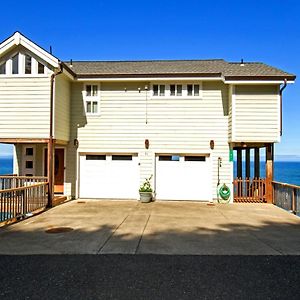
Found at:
<point>284,171</point>
<point>6,165</point>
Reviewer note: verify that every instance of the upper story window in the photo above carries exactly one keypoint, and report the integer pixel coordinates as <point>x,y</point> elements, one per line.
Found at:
<point>91,90</point>
<point>159,89</point>
<point>3,68</point>
<point>41,68</point>
<point>22,64</point>
<point>193,90</point>
<point>92,99</point>
<point>15,64</point>
<point>176,90</point>
<point>28,59</point>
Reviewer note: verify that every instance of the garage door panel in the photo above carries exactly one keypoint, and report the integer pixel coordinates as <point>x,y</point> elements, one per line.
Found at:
<point>189,178</point>
<point>109,178</point>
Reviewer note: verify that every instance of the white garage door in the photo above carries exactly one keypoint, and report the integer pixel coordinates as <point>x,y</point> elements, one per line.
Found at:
<point>183,177</point>
<point>109,176</point>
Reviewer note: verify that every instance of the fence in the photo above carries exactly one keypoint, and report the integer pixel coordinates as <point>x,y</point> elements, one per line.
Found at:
<point>247,190</point>
<point>13,181</point>
<point>17,202</point>
<point>287,196</point>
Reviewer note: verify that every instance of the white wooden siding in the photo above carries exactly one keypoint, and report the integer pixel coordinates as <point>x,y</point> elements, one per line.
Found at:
<point>174,125</point>
<point>256,113</point>
<point>24,107</point>
<point>62,108</point>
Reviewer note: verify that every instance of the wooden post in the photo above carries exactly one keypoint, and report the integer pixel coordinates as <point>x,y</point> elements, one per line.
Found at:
<point>248,163</point>
<point>239,163</point>
<point>269,172</point>
<point>256,163</point>
<point>50,173</point>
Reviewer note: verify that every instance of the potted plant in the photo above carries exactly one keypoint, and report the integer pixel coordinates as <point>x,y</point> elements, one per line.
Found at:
<point>146,191</point>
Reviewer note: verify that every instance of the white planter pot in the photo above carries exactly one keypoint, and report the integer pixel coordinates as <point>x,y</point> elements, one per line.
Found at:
<point>145,197</point>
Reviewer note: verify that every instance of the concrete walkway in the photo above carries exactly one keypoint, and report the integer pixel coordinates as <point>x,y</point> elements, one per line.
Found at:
<point>129,227</point>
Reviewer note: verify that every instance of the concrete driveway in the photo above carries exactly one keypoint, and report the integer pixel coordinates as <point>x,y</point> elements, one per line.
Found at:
<point>129,227</point>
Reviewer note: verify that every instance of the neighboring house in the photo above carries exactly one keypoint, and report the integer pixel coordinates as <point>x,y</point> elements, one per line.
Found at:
<point>117,123</point>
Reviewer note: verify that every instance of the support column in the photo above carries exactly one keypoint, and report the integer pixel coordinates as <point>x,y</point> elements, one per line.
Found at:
<point>50,174</point>
<point>269,172</point>
<point>256,163</point>
<point>239,163</point>
<point>248,163</point>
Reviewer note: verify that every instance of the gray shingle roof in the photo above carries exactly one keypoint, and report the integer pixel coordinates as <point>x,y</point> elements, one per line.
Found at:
<point>151,68</point>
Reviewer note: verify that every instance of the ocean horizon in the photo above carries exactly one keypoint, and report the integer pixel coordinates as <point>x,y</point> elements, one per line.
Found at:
<point>284,171</point>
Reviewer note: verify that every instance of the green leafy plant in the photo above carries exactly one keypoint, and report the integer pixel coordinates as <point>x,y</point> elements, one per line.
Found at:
<point>146,186</point>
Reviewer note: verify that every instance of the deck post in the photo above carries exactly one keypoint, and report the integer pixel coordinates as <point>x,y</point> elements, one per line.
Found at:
<point>248,163</point>
<point>239,163</point>
<point>50,174</point>
<point>269,172</point>
<point>256,163</point>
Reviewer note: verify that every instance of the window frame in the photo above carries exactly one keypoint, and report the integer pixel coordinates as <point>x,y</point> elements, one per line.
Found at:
<point>8,62</point>
<point>91,99</point>
<point>178,84</point>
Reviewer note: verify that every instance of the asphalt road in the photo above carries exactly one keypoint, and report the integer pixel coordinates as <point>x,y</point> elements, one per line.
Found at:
<point>149,277</point>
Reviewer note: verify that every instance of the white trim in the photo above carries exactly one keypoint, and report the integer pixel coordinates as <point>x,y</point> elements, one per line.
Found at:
<point>279,81</point>
<point>149,79</point>
<point>19,39</point>
<point>233,102</point>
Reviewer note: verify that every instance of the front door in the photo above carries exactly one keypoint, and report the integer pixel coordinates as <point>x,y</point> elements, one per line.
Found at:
<point>59,169</point>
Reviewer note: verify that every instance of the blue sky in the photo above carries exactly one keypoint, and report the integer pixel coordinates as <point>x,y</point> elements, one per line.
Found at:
<point>267,31</point>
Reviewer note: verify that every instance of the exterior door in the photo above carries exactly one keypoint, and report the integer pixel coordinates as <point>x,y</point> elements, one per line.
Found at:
<point>59,169</point>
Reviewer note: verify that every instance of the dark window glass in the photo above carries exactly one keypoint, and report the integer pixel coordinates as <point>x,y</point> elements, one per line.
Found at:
<point>89,90</point>
<point>88,106</point>
<point>190,90</point>
<point>3,68</point>
<point>196,90</point>
<point>179,90</point>
<point>194,158</point>
<point>95,157</point>
<point>161,90</point>
<point>27,64</point>
<point>15,64</point>
<point>94,90</point>
<point>172,89</point>
<point>41,68</point>
<point>29,151</point>
<point>155,90</point>
<point>121,157</point>
<point>29,164</point>
<point>28,175</point>
<point>169,157</point>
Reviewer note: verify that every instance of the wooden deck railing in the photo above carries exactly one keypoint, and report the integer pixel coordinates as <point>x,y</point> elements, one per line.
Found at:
<point>19,201</point>
<point>287,196</point>
<point>13,181</point>
<point>249,190</point>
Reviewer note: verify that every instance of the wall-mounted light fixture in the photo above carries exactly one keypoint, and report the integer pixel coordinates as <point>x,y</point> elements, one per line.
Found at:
<point>212,144</point>
<point>139,89</point>
<point>125,89</point>
<point>146,87</point>
<point>147,144</point>
<point>76,143</point>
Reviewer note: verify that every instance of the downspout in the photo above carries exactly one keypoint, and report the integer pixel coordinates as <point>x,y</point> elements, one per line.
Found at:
<point>50,142</point>
<point>280,93</point>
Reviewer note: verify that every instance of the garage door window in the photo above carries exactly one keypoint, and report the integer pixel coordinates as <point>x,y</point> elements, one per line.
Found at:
<point>121,157</point>
<point>95,157</point>
<point>194,158</point>
<point>169,158</point>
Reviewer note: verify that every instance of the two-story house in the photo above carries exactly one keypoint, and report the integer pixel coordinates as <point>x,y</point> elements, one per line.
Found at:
<point>115,123</point>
